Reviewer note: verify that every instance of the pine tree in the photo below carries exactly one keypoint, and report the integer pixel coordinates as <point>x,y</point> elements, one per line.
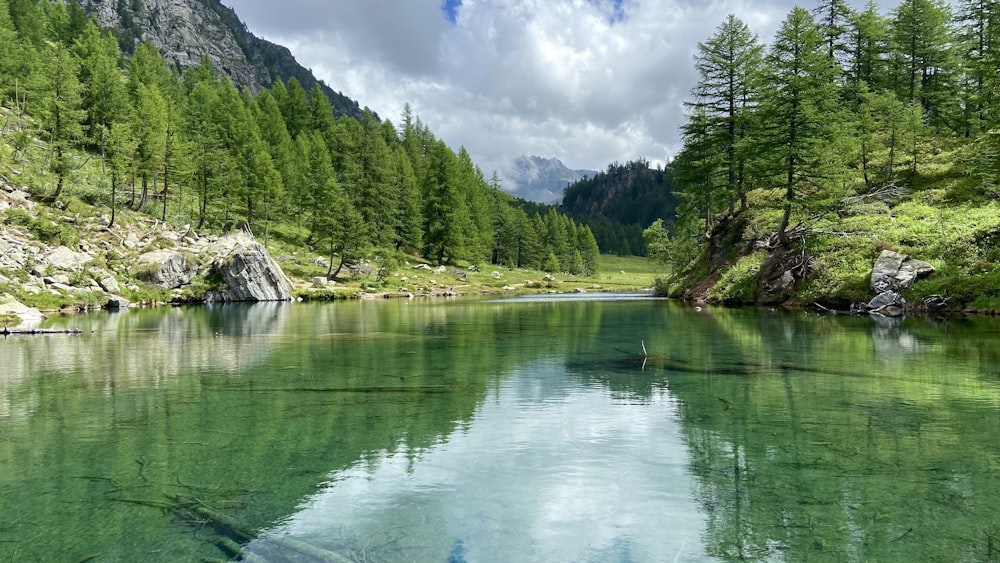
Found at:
<point>119,147</point>
<point>978,36</point>
<point>833,17</point>
<point>479,234</point>
<point>295,108</point>
<point>320,112</point>
<point>728,65</point>
<point>61,115</point>
<point>799,109</point>
<point>373,193</point>
<point>335,220</point>
<point>149,121</point>
<point>868,51</point>
<point>104,97</point>
<point>446,218</point>
<point>590,252</point>
<point>10,52</point>
<point>923,43</point>
<point>209,159</point>
<point>409,233</point>
<point>280,146</point>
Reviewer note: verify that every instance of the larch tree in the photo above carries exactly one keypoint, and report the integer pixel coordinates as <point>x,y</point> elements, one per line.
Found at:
<point>295,108</point>
<point>373,191</point>
<point>409,232</point>
<point>799,110</point>
<point>923,42</point>
<point>868,51</point>
<point>61,113</point>
<point>978,36</point>
<point>149,121</point>
<point>446,217</point>
<point>104,96</point>
<point>725,96</point>
<point>834,20</point>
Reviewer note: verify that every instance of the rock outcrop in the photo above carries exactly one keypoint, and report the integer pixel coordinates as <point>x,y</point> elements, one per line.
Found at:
<point>165,268</point>
<point>184,31</point>
<point>895,271</point>
<point>29,316</point>
<point>248,272</point>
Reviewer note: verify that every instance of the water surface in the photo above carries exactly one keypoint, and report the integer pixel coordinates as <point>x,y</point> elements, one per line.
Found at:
<point>514,430</point>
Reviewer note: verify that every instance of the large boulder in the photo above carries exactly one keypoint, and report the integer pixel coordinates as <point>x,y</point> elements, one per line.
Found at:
<point>887,303</point>
<point>165,268</point>
<point>248,272</point>
<point>895,271</point>
<point>64,259</point>
<point>30,317</point>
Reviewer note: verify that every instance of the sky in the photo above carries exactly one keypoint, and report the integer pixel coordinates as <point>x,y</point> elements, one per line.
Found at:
<point>589,82</point>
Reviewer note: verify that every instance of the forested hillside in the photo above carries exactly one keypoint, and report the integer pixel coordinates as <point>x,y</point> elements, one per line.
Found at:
<point>620,202</point>
<point>852,133</point>
<point>80,122</point>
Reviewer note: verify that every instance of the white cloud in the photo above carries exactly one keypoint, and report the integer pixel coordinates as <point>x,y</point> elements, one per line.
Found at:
<point>586,81</point>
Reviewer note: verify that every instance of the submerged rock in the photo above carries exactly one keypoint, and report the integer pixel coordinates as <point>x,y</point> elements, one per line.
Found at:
<point>116,302</point>
<point>248,272</point>
<point>887,303</point>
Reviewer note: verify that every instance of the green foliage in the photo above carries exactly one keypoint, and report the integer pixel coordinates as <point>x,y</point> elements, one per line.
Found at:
<point>738,284</point>
<point>9,320</point>
<point>618,203</point>
<point>18,216</point>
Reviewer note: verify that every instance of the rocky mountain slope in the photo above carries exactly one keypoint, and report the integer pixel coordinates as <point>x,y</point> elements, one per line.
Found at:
<point>187,30</point>
<point>542,179</point>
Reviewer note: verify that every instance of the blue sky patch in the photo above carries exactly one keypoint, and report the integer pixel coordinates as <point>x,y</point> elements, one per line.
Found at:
<point>450,9</point>
<point>614,9</point>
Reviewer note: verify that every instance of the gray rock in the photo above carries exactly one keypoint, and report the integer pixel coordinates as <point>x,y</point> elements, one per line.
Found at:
<point>61,287</point>
<point>183,31</point>
<point>895,271</point>
<point>109,284</point>
<point>248,272</point>
<point>495,275</point>
<point>165,268</point>
<point>29,316</point>
<point>62,258</point>
<point>116,302</point>
<point>888,303</point>
<point>320,281</point>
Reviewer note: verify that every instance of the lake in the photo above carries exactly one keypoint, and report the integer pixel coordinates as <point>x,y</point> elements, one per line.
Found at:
<point>529,429</point>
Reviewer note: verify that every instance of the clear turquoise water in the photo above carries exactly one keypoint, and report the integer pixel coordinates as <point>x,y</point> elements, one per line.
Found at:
<point>480,430</point>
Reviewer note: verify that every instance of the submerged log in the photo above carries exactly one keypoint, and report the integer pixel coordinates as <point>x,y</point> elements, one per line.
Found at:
<point>233,537</point>
<point>11,331</point>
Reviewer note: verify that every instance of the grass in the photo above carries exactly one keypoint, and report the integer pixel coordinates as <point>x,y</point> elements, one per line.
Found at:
<point>948,218</point>
<point>615,274</point>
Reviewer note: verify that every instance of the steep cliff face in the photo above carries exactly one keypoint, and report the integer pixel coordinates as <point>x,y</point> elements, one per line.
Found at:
<point>186,30</point>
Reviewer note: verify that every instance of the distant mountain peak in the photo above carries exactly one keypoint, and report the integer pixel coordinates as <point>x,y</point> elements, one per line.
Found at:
<point>540,179</point>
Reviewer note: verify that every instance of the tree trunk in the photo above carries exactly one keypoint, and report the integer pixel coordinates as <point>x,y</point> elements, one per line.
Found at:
<point>166,178</point>
<point>339,266</point>
<point>329,268</point>
<point>114,199</point>
<point>145,193</point>
<point>204,201</point>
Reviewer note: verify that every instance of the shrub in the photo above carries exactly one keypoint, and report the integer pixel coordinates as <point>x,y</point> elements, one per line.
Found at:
<point>738,284</point>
